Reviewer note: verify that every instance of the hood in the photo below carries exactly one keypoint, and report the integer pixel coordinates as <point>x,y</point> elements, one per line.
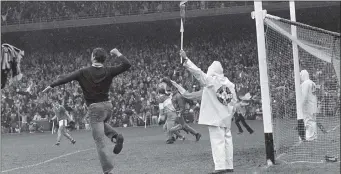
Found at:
<point>304,75</point>
<point>215,69</point>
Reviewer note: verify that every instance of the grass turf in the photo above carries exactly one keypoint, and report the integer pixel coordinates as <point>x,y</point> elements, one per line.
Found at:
<point>144,152</point>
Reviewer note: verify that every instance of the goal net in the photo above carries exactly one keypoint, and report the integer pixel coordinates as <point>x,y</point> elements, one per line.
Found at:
<point>319,54</point>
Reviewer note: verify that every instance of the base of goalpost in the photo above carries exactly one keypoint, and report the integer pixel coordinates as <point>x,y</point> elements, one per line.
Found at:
<point>269,148</point>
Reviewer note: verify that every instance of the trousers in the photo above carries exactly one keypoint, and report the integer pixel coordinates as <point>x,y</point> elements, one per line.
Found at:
<point>310,127</point>
<point>240,118</point>
<point>99,114</point>
<point>222,147</point>
<point>183,125</point>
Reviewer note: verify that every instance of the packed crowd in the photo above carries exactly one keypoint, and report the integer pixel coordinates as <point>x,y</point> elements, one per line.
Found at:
<point>42,11</point>
<point>133,93</point>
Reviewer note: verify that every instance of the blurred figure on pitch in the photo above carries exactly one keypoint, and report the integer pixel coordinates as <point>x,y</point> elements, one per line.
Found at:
<point>240,112</point>
<point>62,118</point>
<point>179,102</point>
<point>216,111</point>
<point>95,82</point>
<point>167,114</point>
<point>308,130</point>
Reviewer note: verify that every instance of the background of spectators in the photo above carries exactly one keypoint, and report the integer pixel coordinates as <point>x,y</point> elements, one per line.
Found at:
<point>42,11</point>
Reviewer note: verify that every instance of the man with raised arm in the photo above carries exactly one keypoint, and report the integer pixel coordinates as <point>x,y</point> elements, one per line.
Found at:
<point>95,82</point>
<point>216,111</point>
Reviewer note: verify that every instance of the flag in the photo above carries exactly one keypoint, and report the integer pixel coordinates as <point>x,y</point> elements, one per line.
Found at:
<point>182,10</point>
<point>10,63</point>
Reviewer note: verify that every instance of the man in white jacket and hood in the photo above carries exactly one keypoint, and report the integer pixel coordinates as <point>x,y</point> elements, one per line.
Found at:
<point>309,106</point>
<point>216,111</point>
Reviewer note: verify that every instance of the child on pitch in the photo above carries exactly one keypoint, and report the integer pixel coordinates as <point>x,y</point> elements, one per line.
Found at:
<point>216,111</point>
<point>62,117</point>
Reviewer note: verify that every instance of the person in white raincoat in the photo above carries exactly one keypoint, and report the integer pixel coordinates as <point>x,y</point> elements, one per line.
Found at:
<point>216,111</point>
<point>309,106</point>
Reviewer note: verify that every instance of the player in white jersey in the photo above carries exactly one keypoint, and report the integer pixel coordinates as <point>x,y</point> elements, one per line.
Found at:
<point>309,106</point>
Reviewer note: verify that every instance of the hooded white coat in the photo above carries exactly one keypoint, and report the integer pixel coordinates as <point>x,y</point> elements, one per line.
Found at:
<point>216,111</point>
<point>212,111</point>
<point>309,105</point>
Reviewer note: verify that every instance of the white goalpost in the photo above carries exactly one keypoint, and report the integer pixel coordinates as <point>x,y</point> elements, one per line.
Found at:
<point>285,47</point>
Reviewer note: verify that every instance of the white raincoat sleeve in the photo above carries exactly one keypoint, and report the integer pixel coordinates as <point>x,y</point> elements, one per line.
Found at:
<point>196,72</point>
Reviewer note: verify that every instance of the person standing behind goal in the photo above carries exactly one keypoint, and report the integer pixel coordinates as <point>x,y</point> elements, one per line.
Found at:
<point>95,82</point>
<point>308,103</point>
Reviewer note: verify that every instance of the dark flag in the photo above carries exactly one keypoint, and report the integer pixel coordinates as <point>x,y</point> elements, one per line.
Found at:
<point>10,63</point>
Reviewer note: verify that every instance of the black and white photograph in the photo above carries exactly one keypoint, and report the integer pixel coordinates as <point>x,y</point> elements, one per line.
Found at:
<point>170,87</point>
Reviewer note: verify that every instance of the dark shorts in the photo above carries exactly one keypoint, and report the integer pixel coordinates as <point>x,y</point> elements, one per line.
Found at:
<point>100,112</point>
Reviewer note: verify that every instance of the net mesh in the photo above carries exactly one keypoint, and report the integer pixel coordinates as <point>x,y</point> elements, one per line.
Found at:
<point>319,54</point>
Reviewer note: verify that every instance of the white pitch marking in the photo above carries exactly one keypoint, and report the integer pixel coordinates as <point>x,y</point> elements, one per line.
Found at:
<point>44,162</point>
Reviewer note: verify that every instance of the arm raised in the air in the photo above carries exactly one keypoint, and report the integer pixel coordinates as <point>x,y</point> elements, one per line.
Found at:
<point>124,66</point>
<point>194,70</point>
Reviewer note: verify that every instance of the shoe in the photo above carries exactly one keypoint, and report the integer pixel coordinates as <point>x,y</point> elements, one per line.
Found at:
<point>221,171</point>
<point>73,141</point>
<point>251,132</point>
<point>119,144</point>
<point>174,139</point>
<point>197,137</point>
<point>170,141</point>
<point>57,144</point>
<point>229,170</point>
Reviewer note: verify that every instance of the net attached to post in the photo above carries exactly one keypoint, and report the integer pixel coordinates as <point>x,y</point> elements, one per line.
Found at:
<point>319,54</point>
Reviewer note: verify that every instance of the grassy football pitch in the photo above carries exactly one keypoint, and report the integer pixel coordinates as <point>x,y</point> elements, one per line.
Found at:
<point>144,152</point>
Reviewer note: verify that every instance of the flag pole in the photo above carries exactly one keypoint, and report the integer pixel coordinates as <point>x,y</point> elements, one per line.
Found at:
<point>182,15</point>
<point>182,36</point>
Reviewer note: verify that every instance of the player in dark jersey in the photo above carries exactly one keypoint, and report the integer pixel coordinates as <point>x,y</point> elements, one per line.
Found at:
<point>62,118</point>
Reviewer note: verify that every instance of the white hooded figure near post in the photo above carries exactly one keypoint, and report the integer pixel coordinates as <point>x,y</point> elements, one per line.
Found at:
<point>309,105</point>
<point>216,111</point>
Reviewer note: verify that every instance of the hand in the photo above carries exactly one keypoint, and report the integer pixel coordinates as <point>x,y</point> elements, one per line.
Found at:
<point>47,89</point>
<point>183,54</point>
<point>166,80</point>
<point>115,52</point>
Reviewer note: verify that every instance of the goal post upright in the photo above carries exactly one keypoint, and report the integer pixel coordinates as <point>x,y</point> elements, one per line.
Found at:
<point>296,59</point>
<point>259,16</point>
